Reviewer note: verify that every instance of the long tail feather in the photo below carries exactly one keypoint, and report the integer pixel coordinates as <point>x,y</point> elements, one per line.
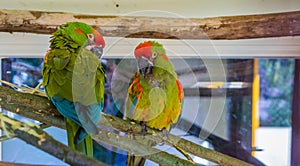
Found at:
<point>85,146</point>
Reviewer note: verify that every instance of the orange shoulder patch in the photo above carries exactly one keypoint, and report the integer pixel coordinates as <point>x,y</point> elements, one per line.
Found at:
<point>135,85</point>
<point>46,56</point>
<point>180,89</point>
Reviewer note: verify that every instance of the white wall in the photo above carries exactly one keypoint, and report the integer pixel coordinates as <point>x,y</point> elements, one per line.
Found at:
<point>23,45</point>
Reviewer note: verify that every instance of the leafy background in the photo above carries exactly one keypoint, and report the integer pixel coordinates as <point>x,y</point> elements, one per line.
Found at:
<point>276,86</point>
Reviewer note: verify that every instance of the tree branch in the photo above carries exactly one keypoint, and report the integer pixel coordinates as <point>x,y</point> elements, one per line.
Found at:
<point>47,110</point>
<point>30,106</point>
<point>40,139</point>
<point>17,104</point>
<point>186,145</point>
<point>5,137</point>
<point>230,27</point>
<point>134,146</point>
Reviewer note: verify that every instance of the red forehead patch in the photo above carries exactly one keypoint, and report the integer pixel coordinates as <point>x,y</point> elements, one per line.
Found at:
<point>79,31</point>
<point>143,49</point>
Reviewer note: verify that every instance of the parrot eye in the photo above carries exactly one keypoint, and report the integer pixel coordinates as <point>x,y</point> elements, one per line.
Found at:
<point>90,36</point>
<point>154,55</point>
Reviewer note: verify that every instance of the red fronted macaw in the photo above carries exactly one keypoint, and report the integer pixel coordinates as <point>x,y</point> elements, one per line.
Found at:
<point>74,81</point>
<point>155,95</point>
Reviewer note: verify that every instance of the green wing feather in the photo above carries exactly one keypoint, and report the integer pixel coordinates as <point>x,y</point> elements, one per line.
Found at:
<point>88,70</point>
<point>65,69</point>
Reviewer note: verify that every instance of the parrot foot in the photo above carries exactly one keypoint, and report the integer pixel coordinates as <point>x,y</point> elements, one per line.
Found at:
<point>165,136</point>
<point>131,134</point>
<point>144,127</point>
<point>165,132</point>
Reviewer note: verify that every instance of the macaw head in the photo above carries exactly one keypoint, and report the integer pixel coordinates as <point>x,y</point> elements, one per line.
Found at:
<point>149,54</point>
<point>84,35</point>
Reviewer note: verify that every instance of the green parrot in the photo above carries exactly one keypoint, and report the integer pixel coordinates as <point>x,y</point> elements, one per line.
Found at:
<point>73,78</point>
<point>155,95</point>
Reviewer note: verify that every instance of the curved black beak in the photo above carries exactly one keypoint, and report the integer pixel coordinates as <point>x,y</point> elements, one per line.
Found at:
<point>145,66</point>
<point>98,50</point>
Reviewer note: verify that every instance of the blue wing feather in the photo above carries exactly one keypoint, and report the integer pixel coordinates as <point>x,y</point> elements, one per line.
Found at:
<point>67,109</point>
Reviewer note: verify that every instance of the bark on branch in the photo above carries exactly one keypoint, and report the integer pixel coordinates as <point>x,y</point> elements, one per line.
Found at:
<point>230,27</point>
<point>40,139</point>
<point>104,136</point>
<point>17,106</point>
<point>15,103</point>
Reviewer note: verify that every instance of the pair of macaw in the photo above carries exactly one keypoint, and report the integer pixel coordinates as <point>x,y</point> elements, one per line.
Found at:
<point>74,81</point>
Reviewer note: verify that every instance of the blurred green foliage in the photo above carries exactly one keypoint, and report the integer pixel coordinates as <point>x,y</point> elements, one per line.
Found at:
<point>276,86</point>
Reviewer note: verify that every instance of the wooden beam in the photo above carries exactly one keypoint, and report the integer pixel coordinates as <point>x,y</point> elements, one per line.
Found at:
<point>231,27</point>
